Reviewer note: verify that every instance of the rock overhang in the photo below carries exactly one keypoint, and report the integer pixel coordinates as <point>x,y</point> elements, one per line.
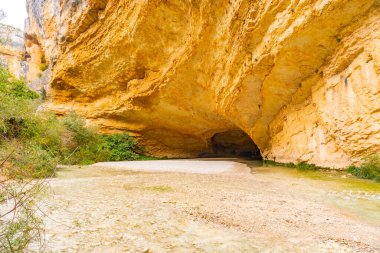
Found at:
<point>176,73</point>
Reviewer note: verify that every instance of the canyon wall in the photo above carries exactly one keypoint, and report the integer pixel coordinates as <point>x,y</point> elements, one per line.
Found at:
<point>15,57</point>
<point>12,50</point>
<point>300,77</point>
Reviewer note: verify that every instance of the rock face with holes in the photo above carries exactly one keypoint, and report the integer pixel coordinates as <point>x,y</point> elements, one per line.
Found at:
<point>12,50</point>
<point>301,78</point>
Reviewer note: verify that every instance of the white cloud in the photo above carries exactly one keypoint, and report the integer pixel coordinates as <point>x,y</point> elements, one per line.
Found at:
<point>15,11</point>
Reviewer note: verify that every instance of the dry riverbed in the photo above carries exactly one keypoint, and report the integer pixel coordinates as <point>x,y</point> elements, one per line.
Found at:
<point>126,207</point>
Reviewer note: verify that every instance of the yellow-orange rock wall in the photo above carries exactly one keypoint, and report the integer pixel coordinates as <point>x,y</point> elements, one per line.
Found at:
<point>339,124</point>
<point>176,72</point>
<point>12,50</point>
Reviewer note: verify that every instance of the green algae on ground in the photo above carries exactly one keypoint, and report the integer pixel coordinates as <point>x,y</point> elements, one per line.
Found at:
<point>160,188</point>
<point>311,171</point>
<point>299,166</point>
<point>345,180</point>
<point>353,196</point>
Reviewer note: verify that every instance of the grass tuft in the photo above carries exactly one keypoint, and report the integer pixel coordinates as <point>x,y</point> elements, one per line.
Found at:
<point>300,166</point>
<point>160,188</point>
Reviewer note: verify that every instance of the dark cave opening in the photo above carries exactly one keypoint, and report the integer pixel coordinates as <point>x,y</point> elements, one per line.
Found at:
<point>234,143</point>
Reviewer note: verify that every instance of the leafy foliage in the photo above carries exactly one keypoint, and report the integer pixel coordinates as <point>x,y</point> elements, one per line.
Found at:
<point>370,168</point>
<point>21,130</point>
<point>83,145</point>
<point>16,88</point>
<point>121,147</point>
<point>87,146</point>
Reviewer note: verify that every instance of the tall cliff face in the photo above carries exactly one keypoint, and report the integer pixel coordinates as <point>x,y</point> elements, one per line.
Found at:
<point>301,78</point>
<point>15,57</point>
<point>12,50</point>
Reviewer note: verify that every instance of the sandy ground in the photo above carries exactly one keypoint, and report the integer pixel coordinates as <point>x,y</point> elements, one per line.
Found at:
<point>197,166</point>
<point>136,207</point>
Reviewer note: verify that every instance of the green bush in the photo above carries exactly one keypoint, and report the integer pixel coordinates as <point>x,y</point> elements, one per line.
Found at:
<point>18,104</point>
<point>33,139</point>
<point>20,129</point>
<point>47,131</point>
<point>370,168</point>
<point>27,160</point>
<point>81,134</point>
<point>10,86</point>
<point>89,147</point>
<point>33,161</point>
<point>86,146</point>
<point>121,147</point>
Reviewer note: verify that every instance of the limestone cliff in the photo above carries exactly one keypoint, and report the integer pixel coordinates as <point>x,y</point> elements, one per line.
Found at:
<point>12,50</point>
<point>301,77</point>
<point>22,63</point>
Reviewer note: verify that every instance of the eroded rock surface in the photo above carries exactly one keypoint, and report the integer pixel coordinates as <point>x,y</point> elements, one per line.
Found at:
<point>12,50</point>
<point>301,78</point>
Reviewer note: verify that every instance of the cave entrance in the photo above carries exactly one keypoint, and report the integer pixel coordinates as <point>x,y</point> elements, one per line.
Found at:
<point>234,143</point>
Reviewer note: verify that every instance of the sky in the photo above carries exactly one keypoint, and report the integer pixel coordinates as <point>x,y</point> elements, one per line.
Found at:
<point>15,10</point>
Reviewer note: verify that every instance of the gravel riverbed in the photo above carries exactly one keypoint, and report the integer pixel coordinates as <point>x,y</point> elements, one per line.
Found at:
<point>240,207</point>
